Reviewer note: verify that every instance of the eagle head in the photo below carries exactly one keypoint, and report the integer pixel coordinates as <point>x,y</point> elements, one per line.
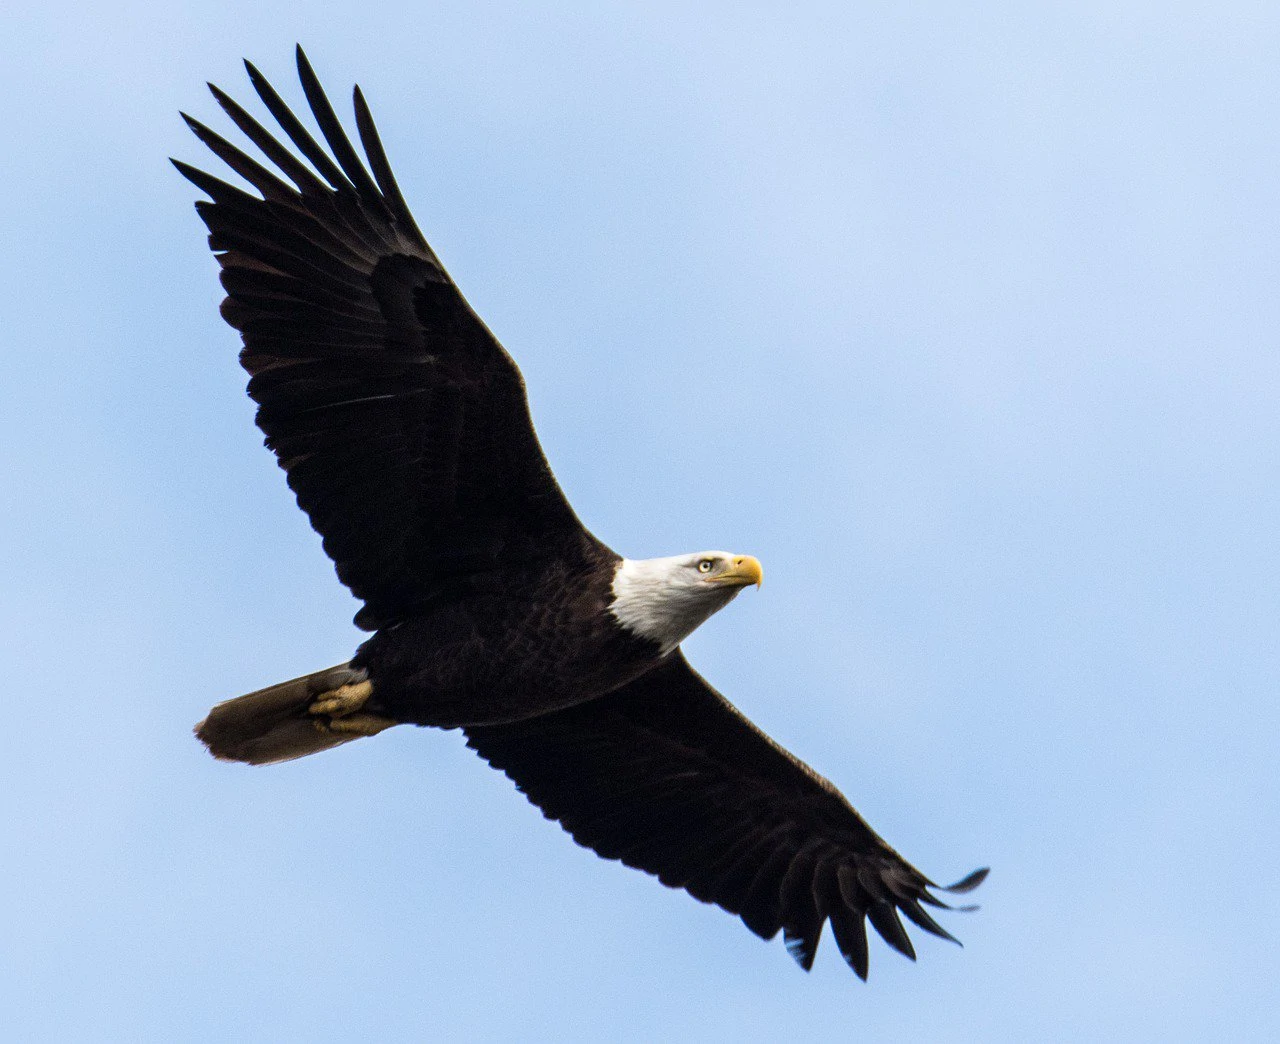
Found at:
<point>665,599</point>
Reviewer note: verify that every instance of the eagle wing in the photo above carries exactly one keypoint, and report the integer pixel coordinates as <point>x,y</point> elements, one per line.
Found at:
<point>667,776</point>
<point>401,422</point>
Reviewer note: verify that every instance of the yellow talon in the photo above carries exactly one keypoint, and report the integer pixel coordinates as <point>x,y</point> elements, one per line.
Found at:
<point>342,701</point>
<point>358,724</point>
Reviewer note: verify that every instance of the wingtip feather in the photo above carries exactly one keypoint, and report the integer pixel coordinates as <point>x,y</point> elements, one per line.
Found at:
<point>883,916</point>
<point>969,883</point>
<point>803,950</point>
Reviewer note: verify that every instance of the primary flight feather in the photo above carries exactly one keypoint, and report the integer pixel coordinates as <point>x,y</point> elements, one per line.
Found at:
<point>404,429</point>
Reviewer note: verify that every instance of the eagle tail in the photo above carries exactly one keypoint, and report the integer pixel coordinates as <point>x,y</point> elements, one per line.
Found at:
<point>275,724</point>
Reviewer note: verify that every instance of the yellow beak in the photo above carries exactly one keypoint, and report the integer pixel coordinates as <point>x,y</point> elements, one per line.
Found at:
<point>744,572</point>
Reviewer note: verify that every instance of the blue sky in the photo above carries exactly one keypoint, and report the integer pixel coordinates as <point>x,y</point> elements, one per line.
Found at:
<point>963,318</point>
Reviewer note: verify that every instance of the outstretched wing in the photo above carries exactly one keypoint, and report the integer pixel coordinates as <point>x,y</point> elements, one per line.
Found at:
<point>668,777</point>
<point>402,423</point>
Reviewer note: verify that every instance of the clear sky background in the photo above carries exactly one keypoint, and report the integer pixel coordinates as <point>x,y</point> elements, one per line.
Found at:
<point>962,317</point>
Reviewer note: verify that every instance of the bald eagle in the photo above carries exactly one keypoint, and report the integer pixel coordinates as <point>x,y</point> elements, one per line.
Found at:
<point>404,430</point>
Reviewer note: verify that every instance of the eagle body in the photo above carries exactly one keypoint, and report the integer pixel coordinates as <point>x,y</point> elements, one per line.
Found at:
<point>404,431</point>
<point>545,642</point>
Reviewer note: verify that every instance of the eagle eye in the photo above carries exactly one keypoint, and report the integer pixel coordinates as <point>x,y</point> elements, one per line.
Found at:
<point>705,566</point>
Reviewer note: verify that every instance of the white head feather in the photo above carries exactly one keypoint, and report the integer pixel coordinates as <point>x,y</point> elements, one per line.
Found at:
<point>666,599</point>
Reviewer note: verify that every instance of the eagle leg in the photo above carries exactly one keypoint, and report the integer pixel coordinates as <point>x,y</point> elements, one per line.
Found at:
<point>340,710</point>
<point>356,724</point>
<point>342,701</point>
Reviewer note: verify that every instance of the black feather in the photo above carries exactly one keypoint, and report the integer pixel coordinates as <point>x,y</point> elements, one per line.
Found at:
<point>884,918</point>
<point>333,133</point>
<point>968,884</point>
<point>297,133</point>
<point>294,169</point>
<point>381,167</point>
<point>850,931</point>
<point>218,191</point>
<point>257,175</point>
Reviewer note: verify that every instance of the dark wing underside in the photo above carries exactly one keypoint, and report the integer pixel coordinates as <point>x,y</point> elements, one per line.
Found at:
<point>668,777</point>
<point>402,423</point>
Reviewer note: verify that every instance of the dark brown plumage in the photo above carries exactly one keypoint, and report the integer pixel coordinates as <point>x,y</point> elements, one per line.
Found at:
<point>668,776</point>
<point>405,433</point>
<point>401,422</point>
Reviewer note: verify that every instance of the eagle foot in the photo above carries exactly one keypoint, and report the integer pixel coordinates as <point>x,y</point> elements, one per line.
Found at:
<point>356,724</point>
<point>342,701</point>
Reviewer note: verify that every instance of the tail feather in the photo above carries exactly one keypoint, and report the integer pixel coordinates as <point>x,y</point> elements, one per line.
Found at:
<point>272,724</point>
